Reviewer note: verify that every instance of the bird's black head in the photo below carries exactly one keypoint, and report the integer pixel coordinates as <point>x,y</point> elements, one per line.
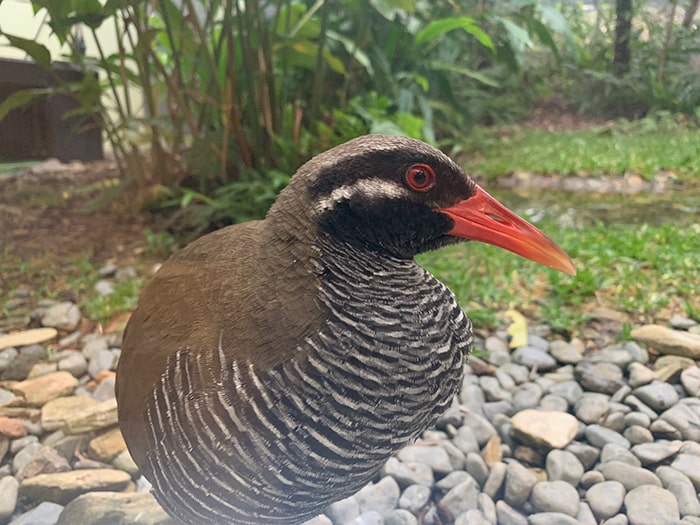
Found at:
<point>384,193</point>
<point>399,197</point>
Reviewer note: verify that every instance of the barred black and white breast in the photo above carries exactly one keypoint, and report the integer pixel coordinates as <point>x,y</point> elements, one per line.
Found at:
<point>272,367</point>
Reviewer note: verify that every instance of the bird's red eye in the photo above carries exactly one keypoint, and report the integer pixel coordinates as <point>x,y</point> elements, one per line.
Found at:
<point>420,177</point>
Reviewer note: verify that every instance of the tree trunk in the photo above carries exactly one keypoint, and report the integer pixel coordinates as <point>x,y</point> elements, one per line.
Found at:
<point>690,13</point>
<point>623,35</point>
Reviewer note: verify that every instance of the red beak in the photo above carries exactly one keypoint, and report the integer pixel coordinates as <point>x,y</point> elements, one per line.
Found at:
<point>483,218</point>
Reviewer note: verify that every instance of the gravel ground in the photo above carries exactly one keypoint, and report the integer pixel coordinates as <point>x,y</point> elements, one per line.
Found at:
<point>553,432</point>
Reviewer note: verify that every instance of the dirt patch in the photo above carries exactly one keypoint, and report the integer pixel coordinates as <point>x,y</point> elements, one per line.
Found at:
<point>68,211</point>
<point>556,116</point>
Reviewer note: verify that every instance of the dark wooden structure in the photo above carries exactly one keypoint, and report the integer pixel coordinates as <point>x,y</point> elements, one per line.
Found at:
<point>41,129</point>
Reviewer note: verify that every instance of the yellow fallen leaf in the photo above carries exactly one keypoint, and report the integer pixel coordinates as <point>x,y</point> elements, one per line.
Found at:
<point>517,329</point>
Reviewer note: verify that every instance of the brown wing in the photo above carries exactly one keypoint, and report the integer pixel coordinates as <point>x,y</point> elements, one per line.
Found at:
<point>238,288</point>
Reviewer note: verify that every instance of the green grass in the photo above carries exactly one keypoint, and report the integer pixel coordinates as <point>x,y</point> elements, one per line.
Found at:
<point>637,149</point>
<point>649,272</point>
<point>47,277</point>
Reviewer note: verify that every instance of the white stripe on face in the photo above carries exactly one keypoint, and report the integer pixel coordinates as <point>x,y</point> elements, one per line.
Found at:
<point>373,189</point>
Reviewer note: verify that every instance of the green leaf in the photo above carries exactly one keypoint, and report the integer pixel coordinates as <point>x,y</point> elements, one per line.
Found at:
<point>390,8</point>
<point>353,50</point>
<point>20,99</point>
<point>480,77</point>
<point>517,36</point>
<point>39,53</point>
<point>440,27</point>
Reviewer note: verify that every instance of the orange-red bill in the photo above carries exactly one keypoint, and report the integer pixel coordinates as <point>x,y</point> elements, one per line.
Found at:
<point>482,218</point>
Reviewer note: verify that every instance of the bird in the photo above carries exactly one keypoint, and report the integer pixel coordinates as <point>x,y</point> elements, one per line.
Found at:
<point>273,366</point>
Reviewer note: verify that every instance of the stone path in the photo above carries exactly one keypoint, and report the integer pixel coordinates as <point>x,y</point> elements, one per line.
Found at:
<point>548,433</point>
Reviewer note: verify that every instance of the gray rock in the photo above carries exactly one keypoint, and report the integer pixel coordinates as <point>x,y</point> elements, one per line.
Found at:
<point>565,353</point>
<point>472,517</point>
<point>105,389</point>
<point>657,395</point>
<point>662,429</point>
<point>537,341</point>
<point>45,513</point>
<point>585,515</point>
<point>598,436</point>
<point>533,357</point>
<point>495,408</point>
<point>519,373</point>
<point>637,418</point>
<point>507,515</point>
<point>100,360</point>
<point>651,505</point>
<point>639,375</point>
<point>612,354</point>
<point>62,316</point>
<point>114,507</point>
<point>371,517</point>
<point>618,519</point>
<point>690,466</point>
<point>414,498</point>
<point>615,452</point>
<point>605,499</point>
<point>565,466</point>
<point>432,455</point>
<point>495,344</point>
<point>37,459</point>
<point>93,345</point>
<point>343,511</point>
<point>551,518</point>
<point>480,427</point>
<point>555,496</point>
<point>585,453</point>
<point>592,407</point>
<point>505,380</point>
<point>603,377</point>
<point>636,404</point>
<point>18,444</point>
<point>9,488</point>
<point>487,507</point>
<point>569,390</point>
<point>631,477</point>
<point>322,519</point>
<point>452,480</point>
<point>400,517</point>
<point>690,379</point>
<point>591,478</point>
<point>652,453</point>
<point>638,435</point>
<point>495,480</point>
<point>639,354</point>
<point>493,390</point>
<point>75,363</point>
<point>527,395</point>
<point>688,502</point>
<point>461,498</point>
<point>519,483</point>
<point>669,475</point>
<point>684,419</point>
<point>409,473</point>
<point>554,403</point>
<point>382,497</point>
<point>104,287</point>
<point>680,322</point>
<point>476,466</point>
<point>614,421</point>
<point>690,447</point>
<point>465,440</point>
